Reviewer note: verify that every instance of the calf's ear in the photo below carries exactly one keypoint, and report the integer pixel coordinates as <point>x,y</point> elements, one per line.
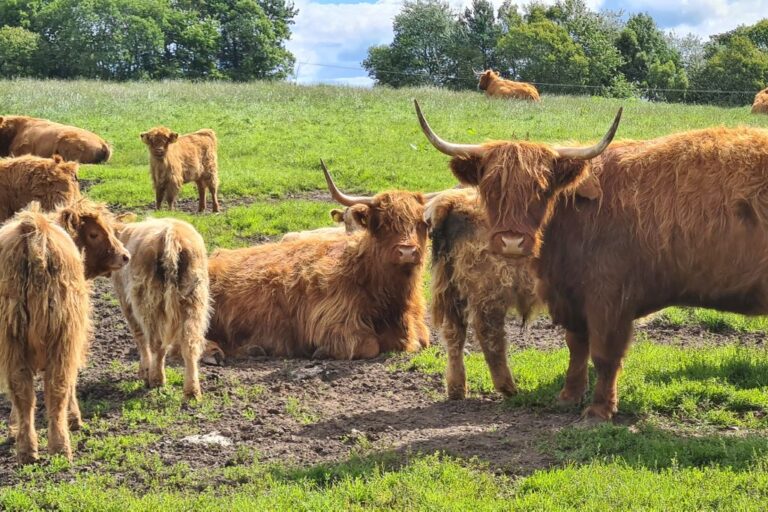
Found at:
<point>361,215</point>
<point>70,221</point>
<point>57,158</point>
<point>173,137</point>
<point>337,215</point>
<point>469,170</point>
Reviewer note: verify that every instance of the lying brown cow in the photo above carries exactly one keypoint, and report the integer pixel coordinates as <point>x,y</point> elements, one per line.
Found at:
<point>497,87</point>
<point>44,308</point>
<point>680,220</point>
<point>760,106</point>
<point>346,297</point>
<point>175,160</point>
<point>50,181</point>
<point>345,217</point>
<point>472,286</point>
<point>163,293</point>
<point>22,135</point>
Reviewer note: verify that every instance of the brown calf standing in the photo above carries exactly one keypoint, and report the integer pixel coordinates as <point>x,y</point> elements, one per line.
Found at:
<point>473,286</point>
<point>22,135</point>
<point>44,310</point>
<point>50,181</point>
<point>497,87</point>
<point>175,160</point>
<point>163,293</point>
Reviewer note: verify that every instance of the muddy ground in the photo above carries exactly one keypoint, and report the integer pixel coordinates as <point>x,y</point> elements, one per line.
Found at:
<point>344,406</point>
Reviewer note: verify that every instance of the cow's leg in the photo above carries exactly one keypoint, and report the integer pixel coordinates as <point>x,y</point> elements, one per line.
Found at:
<point>75,417</point>
<point>56,390</point>
<point>213,186</point>
<point>489,328</point>
<point>159,196</point>
<point>142,345</point>
<point>454,334</point>
<point>607,353</point>
<point>13,424</point>
<point>191,349</point>
<point>577,378</point>
<point>200,196</point>
<point>157,364</point>
<point>22,391</point>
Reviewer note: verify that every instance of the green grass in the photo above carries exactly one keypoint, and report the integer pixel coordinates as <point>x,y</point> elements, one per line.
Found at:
<point>714,321</point>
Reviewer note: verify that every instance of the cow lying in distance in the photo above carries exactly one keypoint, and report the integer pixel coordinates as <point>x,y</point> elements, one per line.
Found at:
<point>175,160</point>
<point>163,293</point>
<point>497,87</point>
<point>45,308</point>
<point>345,296</point>
<point>345,217</point>
<point>473,286</point>
<point>22,135</point>
<point>50,181</point>
<point>760,105</point>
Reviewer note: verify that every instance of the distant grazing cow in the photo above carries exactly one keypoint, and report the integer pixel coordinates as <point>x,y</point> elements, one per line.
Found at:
<point>44,308</point>
<point>175,160</point>
<point>346,297</point>
<point>678,220</point>
<point>760,106</point>
<point>50,181</point>
<point>163,293</point>
<point>22,135</point>
<point>473,286</point>
<point>497,87</point>
<point>345,217</point>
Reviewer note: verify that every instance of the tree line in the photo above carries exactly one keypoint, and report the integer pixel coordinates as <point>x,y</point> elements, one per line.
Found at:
<point>146,39</point>
<point>568,48</point>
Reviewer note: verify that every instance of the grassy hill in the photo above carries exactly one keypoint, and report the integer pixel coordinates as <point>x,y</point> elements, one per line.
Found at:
<point>693,431</point>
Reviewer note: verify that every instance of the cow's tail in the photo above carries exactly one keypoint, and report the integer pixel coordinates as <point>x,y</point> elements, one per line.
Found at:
<point>175,261</point>
<point>446,304</point>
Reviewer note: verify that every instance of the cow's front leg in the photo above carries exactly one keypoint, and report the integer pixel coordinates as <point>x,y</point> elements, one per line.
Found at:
<point>607,353</point>
<point>577,377</point>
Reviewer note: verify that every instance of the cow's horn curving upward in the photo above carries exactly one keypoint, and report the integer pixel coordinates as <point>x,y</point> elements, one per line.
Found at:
<point>592,151</point>
<point>340,196</point>
<point>476,72</point>
<point>450,149</point>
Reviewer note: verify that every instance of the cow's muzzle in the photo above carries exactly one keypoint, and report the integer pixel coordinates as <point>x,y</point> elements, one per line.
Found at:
<point>512,244</point>
<point>120,259</point>
<point>408,254</point>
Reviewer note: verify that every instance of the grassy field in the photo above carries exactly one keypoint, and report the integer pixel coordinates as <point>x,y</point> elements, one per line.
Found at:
<point>694,428</point>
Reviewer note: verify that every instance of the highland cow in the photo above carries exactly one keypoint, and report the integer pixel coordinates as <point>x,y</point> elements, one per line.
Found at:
<point>760,106</point>
<point>50,181</point>
<point>497,87</point>
<point>22,135</point>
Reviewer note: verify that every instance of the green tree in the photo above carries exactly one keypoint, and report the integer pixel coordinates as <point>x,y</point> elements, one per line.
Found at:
<point>18,13</point>
<point>737,67</point>
<point>475,43</point>
<point>18,48</point>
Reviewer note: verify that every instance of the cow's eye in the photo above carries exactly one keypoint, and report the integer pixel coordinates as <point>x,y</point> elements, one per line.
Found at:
<point>93,236</point>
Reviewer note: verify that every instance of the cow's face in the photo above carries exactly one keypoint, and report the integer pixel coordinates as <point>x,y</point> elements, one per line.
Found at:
<point>91,227</point>
<point>158,139</point>
<point>348,217</point>
<point>486,78</point>
<point>518,183</point>
<point>67,177</point>
<point>395,220</point>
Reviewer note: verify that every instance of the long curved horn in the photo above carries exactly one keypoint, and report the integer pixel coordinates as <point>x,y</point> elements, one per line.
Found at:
<point>592,151</point>
<point>340,196</point>
<point>476,72</point>
<point>450,149</point>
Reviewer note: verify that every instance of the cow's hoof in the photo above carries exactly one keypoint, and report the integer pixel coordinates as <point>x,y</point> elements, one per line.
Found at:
<point>27,457</point>
<point>507,389</point>
<point>321,353</point>
<point>75,424</point>
<point>566,399</point>
<point>457,392</point>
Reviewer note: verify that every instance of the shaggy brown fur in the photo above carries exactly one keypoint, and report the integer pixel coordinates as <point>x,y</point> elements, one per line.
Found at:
<point>682,220</point>
<point>175,160</point>
<point>339,216</point>
<point>497,87</point>
<point>473,286</point>
<point>344,296</point>
<point>50,181</point>
<point>44,310</point>
<point>163,293</point>
<point>760,106</point>
<point>22,135</point>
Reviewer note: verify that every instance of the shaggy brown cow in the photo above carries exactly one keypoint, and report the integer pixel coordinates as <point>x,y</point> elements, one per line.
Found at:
<point>175,160</point>
<point>22,135</point>
<point>45,306</point>
<point>163,293</point>
<point>473,286</point>
<point>497,87</point>
<point>345,217</point>
<point>346,297</point>
<point>50,181</point>
<point>760,106</point>
<point>681,220</point>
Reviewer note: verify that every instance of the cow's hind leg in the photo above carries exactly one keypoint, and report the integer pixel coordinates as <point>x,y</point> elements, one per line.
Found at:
<point>454,334</point>
<point>607,353</point>
<point>156,376</point>
<point>57,387</point>
<point>191,349</point>
<point>75,417</point>
<point>22,393</point>
<point>577,377</point>
<point>213,187</point>
<point>200,196</point>
<point>489,327</point>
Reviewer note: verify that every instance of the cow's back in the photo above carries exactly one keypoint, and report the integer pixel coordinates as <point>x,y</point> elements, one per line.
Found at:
<point>45,138</point>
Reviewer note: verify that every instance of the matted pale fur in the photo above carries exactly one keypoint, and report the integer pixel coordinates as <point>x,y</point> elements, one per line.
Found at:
<point>23,135</point>
<point>163,293</point>
<point>471,286</point>
<point>44,314</point>
<point>344,217</point>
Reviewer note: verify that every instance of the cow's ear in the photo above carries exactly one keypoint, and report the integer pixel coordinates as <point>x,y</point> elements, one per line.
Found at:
<point>70,221</point>
<point>589,188</point>
<point>361,214</point>
<point>125,218</point>
<point>467,170</point>
<point>337,215</point>
<point>568,173</point>
<point>57,158</point>
<point>144,136</point>
<point>173,137</point>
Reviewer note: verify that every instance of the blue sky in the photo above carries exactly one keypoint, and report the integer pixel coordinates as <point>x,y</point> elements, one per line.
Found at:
<point>338,33</point>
